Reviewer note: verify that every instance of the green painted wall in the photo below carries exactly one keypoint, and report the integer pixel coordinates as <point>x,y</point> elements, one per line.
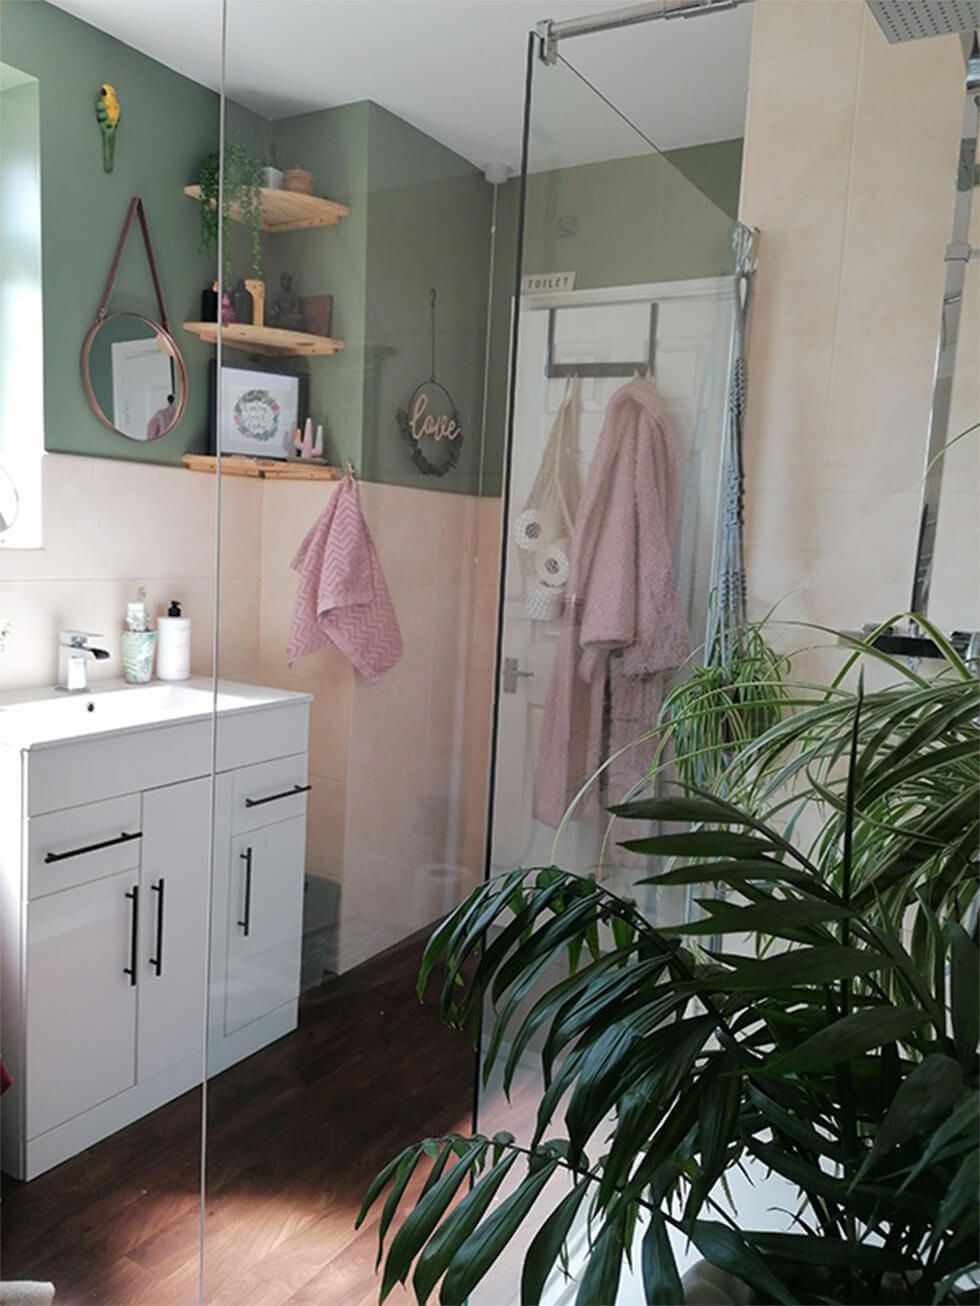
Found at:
<point>168,125</point>
<point>333,145</point>
<point>428,227</point>
<point>652,217</point>
<point>421,217</point>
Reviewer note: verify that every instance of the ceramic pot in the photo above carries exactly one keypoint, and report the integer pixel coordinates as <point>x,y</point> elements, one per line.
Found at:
<point>298,179</point>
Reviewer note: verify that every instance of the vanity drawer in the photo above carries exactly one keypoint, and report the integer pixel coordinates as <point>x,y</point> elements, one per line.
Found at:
<point>247,738</point>
<point>82,844</point>
<point>268,792</point>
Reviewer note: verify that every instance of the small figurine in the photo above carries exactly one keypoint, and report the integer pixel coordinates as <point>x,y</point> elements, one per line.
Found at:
<point>108,111</point>
<point>285,311</point>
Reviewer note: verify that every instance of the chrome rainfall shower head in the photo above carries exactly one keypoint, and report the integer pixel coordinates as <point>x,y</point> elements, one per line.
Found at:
<point>912,20</point>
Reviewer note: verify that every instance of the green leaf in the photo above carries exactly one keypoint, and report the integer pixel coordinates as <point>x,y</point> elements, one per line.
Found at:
<point>546,1006</point>
<point>847,1038</point>
<point>734,873</point>
<point>718,1108</point>
<point>959,1206</point>
<point>706,811</point>
<point>789,1123</point>
<point>818,965</point>
<point>600,1282</point>
<point>421,1221</point>
<point>700,843</point>
<point>964,994</point>
<point>661,1280</point>
<point>798,1249</point>
<point>769,918</point>
<point>456,1228</point>
<point>378,1182</point>
<point>961,1124</point>
<point>921,1101</point>
<point>547,1243</point>
<point>729,1251</point>
<point>403,1173</point>
<point>488,1240</point>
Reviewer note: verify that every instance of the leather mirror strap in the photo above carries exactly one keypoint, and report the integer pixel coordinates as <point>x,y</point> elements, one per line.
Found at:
<point>136,207</point>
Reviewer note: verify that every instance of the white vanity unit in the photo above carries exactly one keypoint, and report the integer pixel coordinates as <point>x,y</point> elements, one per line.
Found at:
<point>106,827</point>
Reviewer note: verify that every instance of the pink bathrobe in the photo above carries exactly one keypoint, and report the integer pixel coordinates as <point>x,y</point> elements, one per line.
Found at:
<point>623,626</point>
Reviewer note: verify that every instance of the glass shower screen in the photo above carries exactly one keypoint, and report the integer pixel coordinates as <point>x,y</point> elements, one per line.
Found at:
<point>619,381</point>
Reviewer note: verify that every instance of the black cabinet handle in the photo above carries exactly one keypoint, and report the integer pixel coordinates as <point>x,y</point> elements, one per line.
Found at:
<point>274,798</point>
<point>92,847</point>
<point>157,961</point>
<point>246,922</point>
<point>130,970</point>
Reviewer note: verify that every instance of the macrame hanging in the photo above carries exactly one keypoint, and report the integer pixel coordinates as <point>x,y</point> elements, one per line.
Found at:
<point>728,612</point>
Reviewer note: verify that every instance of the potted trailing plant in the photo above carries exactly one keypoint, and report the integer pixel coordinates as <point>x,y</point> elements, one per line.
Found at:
<point>721,705</point>
<point>831,1054</point>
<point>242,192</point>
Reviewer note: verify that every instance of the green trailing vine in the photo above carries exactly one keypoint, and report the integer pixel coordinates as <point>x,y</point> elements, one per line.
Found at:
<point>243,183</point>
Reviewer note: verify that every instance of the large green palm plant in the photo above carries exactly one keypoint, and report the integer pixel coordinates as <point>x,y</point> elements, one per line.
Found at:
<point>829,1052</point>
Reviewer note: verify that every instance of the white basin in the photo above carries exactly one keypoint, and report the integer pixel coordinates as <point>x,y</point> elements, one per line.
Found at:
<point>33,717</point>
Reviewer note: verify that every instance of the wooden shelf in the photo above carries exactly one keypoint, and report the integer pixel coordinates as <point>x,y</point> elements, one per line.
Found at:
<point>288,210</point>
<point>265,340</point>
<point>265,469</point>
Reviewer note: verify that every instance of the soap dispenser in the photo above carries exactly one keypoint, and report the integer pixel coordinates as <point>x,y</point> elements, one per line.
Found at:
<point>173,644</point>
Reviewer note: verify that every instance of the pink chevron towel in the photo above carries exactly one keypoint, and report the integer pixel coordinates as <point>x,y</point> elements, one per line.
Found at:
<point>342,597</point>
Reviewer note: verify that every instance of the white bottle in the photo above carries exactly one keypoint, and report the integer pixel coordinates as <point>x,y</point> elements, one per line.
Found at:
<point>173,645</point>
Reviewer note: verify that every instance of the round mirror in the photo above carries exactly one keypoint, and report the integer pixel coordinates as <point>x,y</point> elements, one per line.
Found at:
<point>9,500</point>
<point>134,376</point>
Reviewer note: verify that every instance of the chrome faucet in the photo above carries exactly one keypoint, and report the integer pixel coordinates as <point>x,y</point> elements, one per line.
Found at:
<point>74,653</point>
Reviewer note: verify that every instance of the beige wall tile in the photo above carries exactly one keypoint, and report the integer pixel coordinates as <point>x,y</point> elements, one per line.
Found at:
<point>850,148</point>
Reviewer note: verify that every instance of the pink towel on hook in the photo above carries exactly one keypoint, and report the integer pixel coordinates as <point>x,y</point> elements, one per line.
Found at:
<point>342,597</point>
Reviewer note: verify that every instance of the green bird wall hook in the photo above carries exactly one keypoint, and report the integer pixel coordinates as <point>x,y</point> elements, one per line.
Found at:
<point>108,112</point>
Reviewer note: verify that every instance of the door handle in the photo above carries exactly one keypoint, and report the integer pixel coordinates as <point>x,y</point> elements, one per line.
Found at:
<point>513,673</point>
<point>134,896</point>
<point>92,847</point>
<point>274,798</point>
<point>246,921</point>
<point>157,961</point>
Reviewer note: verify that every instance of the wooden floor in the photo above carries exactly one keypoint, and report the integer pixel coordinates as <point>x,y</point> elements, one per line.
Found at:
<point>295,1134</point>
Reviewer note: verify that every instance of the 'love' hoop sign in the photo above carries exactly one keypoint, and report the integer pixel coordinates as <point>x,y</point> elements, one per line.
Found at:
<point>431,422</point>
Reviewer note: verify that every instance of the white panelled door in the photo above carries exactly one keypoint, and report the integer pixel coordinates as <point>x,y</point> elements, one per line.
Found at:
<point>690,371</point>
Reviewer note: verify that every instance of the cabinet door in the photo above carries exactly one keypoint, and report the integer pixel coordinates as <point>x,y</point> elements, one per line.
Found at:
<point>173,951</point>
<point>81,1003</point>
<point>265,921</point>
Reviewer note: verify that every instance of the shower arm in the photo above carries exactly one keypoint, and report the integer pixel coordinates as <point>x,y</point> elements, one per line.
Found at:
<point>552,32</point>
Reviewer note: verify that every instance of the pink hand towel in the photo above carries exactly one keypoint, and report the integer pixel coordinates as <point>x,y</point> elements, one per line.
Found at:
<point>342,597</point>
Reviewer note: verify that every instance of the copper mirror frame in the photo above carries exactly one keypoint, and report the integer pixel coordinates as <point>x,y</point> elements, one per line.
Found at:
<point>173,349</point>
<point>160,329</point>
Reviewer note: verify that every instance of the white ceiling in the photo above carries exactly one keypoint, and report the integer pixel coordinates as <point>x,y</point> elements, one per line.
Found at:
<point>455,68</point>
